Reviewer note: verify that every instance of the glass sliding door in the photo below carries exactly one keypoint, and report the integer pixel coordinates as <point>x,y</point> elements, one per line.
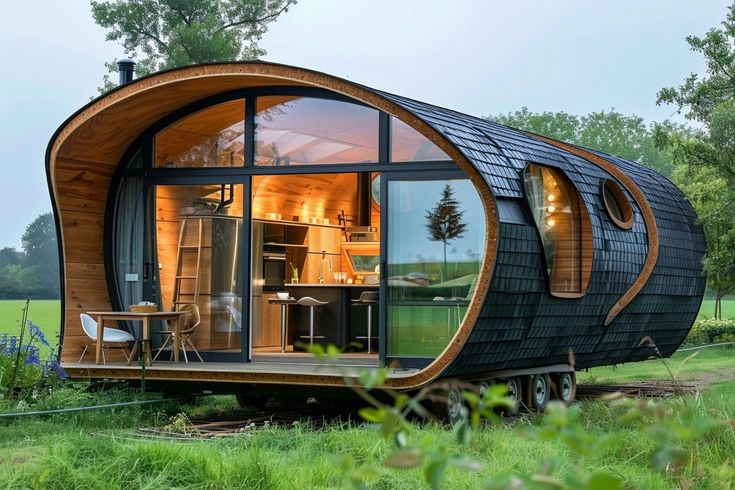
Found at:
<point>198,246</point>
<point>432,253</point>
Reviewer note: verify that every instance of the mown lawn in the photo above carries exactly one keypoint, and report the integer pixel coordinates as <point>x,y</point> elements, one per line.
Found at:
<point>711,364</point>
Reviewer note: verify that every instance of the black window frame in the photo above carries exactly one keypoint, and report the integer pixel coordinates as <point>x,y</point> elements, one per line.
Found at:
<point>153,176</point>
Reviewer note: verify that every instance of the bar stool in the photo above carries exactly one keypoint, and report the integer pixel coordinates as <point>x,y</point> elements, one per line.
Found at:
<point>312,303</point>
<point>367,299</point>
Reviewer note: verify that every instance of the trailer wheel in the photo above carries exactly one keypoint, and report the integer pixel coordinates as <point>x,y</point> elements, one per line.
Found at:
<point>455,405</point>
<point>251,401</point>
<point>566,387</point>
<point>483,386</point>
<point>515,389</point>
<point>540,391</point>
<point>449,408</point>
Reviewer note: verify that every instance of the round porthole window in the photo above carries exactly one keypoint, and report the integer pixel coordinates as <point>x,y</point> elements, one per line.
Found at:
<point>617,205</point>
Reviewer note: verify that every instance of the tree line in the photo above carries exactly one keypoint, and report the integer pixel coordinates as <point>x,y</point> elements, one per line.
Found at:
<point>32,271</point>
<point>699,159</point>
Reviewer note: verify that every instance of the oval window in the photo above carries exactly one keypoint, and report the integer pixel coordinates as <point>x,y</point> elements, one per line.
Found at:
<point>617,205</point>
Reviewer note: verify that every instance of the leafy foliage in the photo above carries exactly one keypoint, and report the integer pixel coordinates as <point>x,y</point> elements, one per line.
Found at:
<point>706,157</point>
<point>33,271</point>
<point>708,99</point>
<point>711,331</point>
<point>163,34</point>
<point>610,132</point>
<point>713,197</point>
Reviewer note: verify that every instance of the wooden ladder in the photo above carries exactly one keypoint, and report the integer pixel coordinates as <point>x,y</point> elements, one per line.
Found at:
<point>181,251</point>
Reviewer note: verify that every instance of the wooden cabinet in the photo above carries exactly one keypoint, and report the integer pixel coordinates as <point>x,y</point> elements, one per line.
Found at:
<point>322,239</point>
<point>267,332</point>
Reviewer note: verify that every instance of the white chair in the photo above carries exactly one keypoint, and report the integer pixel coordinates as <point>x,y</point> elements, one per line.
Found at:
<point>109,336</point>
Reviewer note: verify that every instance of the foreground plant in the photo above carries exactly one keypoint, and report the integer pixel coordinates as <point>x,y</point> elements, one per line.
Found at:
<point>676,433</point>
<point>28,362</point>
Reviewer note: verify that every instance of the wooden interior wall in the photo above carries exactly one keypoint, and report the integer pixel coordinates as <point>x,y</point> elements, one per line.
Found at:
<point>312,196</point>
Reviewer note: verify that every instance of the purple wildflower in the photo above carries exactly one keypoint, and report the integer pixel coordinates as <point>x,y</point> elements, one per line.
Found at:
<point>53,367</point>
<point>37,333</point>
<point>32,355</point>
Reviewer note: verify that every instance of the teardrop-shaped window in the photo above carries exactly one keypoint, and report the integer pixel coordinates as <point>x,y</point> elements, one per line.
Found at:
<point>563,224</point>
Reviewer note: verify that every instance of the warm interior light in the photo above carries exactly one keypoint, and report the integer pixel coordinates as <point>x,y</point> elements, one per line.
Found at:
<point>551,197</point>
<point>551,208</point>
<point>551,223</point>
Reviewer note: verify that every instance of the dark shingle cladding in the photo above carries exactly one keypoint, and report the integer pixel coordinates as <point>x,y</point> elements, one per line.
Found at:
<point>520,324</point>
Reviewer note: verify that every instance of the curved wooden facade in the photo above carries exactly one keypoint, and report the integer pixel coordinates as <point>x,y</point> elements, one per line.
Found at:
<point>645,281</point>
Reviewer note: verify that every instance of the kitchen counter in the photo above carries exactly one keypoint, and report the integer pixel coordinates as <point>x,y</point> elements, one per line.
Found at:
<point>300,285</point>
<point>335,321</point>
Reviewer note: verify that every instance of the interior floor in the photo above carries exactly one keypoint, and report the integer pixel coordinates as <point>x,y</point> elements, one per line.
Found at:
<point>346,359</point>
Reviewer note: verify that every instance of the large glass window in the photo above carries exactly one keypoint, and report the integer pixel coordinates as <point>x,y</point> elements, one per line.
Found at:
<point>556,210</point>
<point>436,232</point>
<point>212,137</point>
<point>198,236</point>
<point>292,130</point>
<point>408,145</point>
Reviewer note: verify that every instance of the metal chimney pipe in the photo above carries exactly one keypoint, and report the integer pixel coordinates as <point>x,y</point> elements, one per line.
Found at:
<point>126,67</point>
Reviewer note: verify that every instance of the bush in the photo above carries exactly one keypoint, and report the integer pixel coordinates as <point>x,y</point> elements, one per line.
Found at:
<point>711,331</point>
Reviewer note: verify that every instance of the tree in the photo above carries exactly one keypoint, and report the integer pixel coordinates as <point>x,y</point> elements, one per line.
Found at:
<point>714,200</point>
<point>42,256</point>
<point>707,154</point>
<point>163,34</point>
<point>610,132</point>
<point>444,222</point>
<point>708,99</point>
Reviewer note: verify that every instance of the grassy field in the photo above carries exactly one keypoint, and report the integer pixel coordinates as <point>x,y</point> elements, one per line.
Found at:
<point>102,450</point>
<point>44,313</point>
<point>713,364</point>
<point>708,308</point>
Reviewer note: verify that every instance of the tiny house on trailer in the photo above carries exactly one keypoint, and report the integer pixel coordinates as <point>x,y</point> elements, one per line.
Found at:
<point>433,243</point>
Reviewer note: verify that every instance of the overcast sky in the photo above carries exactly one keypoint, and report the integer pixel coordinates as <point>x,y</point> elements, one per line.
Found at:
<point>481,57</point>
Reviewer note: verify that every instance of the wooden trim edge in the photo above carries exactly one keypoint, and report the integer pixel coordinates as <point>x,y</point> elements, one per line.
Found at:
<point>648,217</point>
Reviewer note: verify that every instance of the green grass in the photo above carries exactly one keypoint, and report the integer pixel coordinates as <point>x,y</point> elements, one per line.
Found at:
<point>97,450</point>
<point>708,308</point>
<point>44,313</point>
<point>707,365</point>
